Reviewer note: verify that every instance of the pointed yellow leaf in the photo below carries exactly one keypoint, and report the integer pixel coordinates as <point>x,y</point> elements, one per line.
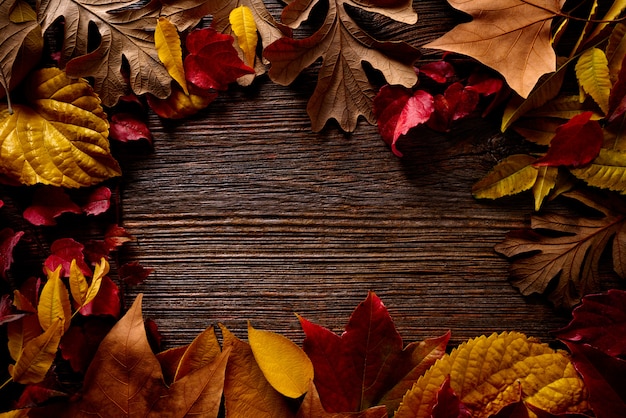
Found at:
<point>607,171</point>
<point>546,180</point>
<point>487,372</point>
<point>37,356</point>
<point>512,175</point>
<point>20,332</point>
<point>16,413</point>
<point>54,302</point>
<point>167,44</point>
<point>592,71</point>
<point>244,28</point>
<point>100,271</point>
<point>78,284</point>
<point>285,365</point>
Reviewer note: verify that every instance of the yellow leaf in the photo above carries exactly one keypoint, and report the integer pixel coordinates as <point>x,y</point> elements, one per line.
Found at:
<point>592,71</point>
<point>62,139</point>
<point>37,356</point>
<point>100,271</point>
<point>607,171</point>
<point>487,372</point>
<point>180,105</point>
<point>613,13</point>
<point>20,332</point>
<point>285,365</point>
<point>563,107</point>
<point>78,284</point>
<point>167,44</point>
<point>244,28</point>
<point>16,413</point>
<point>513,175</point>
<point>546,180</point>
<point>54,302</point>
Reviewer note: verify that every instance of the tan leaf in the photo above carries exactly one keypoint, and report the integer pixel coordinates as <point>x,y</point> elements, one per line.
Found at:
<point>203,350</point>
<point>615,50</point>
<point>511,36</point>
<point>37,355</point>
<point>54,302</point>
<point>62,139</point>
<point>513,175</point>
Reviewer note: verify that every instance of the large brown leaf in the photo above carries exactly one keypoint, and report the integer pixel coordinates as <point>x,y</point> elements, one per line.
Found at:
<point>511,36</point>
<point>343,91</point>
<point>125,31</point>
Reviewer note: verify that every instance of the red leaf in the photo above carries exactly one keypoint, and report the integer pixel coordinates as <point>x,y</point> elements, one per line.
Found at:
<point>8,241</point>
<point>8,313</point>
<point>48,204</point>
<point>599,321</point>
<point>604,378</point>
<point>107,301</point>
<point>484,84</point>
<point>449,404</point>
<point>439,71</point>
<point>398,110</point>
<point>98,201</point>
<point>152,333</point>
<point>575,143</point>
<point>80,343</point>
<point>116,236</point>
<point>63,251</point>
<point>457,102</point>
<point>133,273</point>
<point>35,395</point>
<point>213,62</point>
<point>128,127</point>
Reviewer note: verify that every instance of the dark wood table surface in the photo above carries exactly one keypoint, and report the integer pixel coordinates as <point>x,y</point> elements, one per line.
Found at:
<point>244,213</point>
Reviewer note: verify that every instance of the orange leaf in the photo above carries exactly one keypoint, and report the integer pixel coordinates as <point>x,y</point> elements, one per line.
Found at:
<point>37,356</point>
<point>21,332</point>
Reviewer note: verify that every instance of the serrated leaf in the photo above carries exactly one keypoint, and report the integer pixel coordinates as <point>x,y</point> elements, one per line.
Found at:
<point>285,366</point>
<point>487,372</point>
<point>62,139</point>
<point>37,355</point>
<point>169,50</point>
<point>54,302</point>
<point>244,27</point>
<point>607,171</point>
<point>546,180</point>
<point>512,175</point>
<point>592,72</point>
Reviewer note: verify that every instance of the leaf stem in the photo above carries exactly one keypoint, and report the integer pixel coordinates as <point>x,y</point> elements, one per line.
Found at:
<point>9,380</point>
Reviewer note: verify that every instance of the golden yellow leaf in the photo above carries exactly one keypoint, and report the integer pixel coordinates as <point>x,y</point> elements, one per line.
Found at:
<point>78,284</point>
<point>546,180</point>
<point>54,302</point>
<point>607,171</point>
<point>243,26</point>
<point>285,365</point>
<point>487,372</point>
<point>20,332</point>
<point>16,413</point>
<point>100,271</point>
<point>167,44</point>
<point>592,72</point>
<point>61,139</point>
<point>512,175</point>
<point>37,355</point>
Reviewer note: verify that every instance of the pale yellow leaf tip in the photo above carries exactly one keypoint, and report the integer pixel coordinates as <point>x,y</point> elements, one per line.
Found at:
<point>243,26</point>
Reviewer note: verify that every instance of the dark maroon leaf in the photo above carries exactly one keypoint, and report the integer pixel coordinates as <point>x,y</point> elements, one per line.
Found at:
<point>154,336</point>
<point>36,395</point>
<point>106,302</point>
<point>457,102</point>
<point>80,342</point>
<point>617,98</point>
<point>8,241</point>
<point>484,84</point>
<point>63,251</point>
<point>449,404</point>
<point>8,313</point>
<point>48,204</point>
<point>133,273</point>
<point>439,71</point>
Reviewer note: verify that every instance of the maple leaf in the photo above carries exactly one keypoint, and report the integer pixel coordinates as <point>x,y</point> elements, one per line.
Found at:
<point>343,91</point>
<point>125,31</point>
<point>367,364</point>
<point>511,36</point>
<point>568,253</point>
<point>133,273</point>
<point>489,373</point>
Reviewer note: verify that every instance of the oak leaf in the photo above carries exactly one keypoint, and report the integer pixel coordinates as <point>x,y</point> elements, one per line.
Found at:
<point>343,91</point>
<point>511,36</point>
<point>62,139</point>
<point>125,31</point>
<point>486,373</point>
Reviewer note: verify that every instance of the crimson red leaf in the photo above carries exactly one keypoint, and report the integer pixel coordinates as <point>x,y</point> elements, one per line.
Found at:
<point>575,143</point>
<point>128,127</point>
<point>48,204</point>
<point>79,343</point>
<point>398,109</point>
<point>457,102</point>
<point>604,379</point>
<point>484,84</point>
<point>133,273</point>
<point>106,302</point>
<point>599,321</point>
<point>212,62</point>
<point>439,71</point>
<point>8,312</point>
<point>8,241</point>
<point>98,201</point>
<point>449,404</point>
<point>35,395</point>
<point>30,290</point>
<point>63,251</point>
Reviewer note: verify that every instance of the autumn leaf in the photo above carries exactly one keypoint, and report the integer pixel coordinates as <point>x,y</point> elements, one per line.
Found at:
<point>62,252</point>
<point>448,404</point>
<point>82,292</point>
<point>243,26</point>
<point>486,374</point>
<point>125,32</point>
<point>285,366</point>
<point>180,105</point>
<point>98,201</point>
<point>133,273</point>
<point>512,175</point>
<point>343,91</point>
<point>62,139</point>
<point>311,407</point>
<point>511,36</point>
<point>592,72</point>
<point>80,343</point>
<point>8,241</point>
<point>54,302</point>
<point>106,302</point>
<point>562,253</point>
<point>48,204</point>
<point>169,50</point>
<point>367,363</point>
<point>127,127</point>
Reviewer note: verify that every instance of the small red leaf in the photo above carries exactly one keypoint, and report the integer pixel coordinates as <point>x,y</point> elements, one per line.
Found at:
<point>575,143</point>
<point>484,84</point>
<point>8,241</point>
<point>457,102</point>
<point>79,343</point>
<point>439,71</point>
<point>98,201</point>
<point>449,404</point>
<point>128,127</point>
<point>63,251</point>
<point>48,204</point>
<point>133,273</point>
<point>106,302</point>
<point>398,110</point>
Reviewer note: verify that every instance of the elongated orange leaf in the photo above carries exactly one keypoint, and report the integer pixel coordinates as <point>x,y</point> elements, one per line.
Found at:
<point>243,26</point>
<point>54,302</point>
<point>284,364</point>
<point>37,356</point>
<point>167,43</point>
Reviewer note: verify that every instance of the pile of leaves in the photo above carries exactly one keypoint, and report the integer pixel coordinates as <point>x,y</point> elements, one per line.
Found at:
<point>78,74</point>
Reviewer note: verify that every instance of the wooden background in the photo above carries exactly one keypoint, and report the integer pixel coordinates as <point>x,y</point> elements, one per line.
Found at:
<point>246,214</point>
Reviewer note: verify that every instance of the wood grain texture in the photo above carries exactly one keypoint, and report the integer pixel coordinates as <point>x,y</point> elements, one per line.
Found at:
<point>245,214</point>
